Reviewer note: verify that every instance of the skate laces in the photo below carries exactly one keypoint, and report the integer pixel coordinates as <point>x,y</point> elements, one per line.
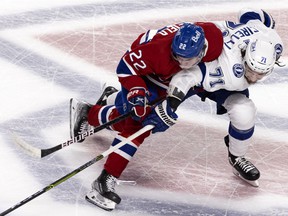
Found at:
<point>244,164</point>
<point>110,183</point>
<point>84,126</point>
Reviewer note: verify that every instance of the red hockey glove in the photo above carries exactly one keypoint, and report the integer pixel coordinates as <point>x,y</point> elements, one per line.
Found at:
<point>137,102</point>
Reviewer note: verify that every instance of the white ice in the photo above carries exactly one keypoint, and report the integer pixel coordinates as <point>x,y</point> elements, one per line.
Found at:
<point>176,172</point>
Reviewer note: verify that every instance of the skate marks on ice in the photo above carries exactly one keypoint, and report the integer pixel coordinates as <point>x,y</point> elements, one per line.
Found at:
<point>197,166</point>
<point>109,35</point>
<point>188,165</point>
<point>169,182</point>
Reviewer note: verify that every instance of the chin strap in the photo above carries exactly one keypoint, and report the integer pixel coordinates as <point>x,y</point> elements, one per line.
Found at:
<point>280,63</point>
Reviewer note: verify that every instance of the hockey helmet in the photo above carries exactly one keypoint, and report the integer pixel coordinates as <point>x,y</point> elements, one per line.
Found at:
<point>260,56</point>
<point>189,41</point>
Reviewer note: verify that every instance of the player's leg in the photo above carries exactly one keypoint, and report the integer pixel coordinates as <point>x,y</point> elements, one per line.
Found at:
<point>79,112</point>
<point>79,117</point>
<point>103,193</point>
<point>241,111</point>
<point>108,96</point>
<point>107,110</point>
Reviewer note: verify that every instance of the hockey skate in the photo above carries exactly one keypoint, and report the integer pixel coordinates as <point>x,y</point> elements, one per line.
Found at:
<point>102,193</point>
<point>243,168</point>
<point>109,90</point>
<point>79,118</point>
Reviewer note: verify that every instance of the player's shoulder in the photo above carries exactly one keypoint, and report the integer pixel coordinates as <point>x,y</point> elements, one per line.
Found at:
<point>208,27</point>
<point>247,14</point>
<point>214,38</point>
<point>212,32</point>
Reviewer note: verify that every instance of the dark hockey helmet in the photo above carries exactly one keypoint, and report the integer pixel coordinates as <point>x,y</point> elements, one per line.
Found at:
<point>189,41</point>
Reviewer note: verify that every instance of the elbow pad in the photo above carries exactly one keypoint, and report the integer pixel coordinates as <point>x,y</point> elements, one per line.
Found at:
<point>175,97</point>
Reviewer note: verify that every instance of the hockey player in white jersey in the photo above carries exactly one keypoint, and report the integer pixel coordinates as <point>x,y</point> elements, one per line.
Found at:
<point>249,54</point>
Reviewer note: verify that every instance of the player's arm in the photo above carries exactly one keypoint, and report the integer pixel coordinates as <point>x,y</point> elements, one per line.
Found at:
<point>181,83</point>
<point>247,14</point>
<point>130,70</point>
<point>163,116</point>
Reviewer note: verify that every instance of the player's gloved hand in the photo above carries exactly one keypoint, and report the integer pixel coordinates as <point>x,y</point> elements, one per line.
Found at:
<point>137,102</point>
<point>162,117</point>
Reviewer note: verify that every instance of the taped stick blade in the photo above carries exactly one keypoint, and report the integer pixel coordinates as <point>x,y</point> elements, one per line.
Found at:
<point>29,149</point>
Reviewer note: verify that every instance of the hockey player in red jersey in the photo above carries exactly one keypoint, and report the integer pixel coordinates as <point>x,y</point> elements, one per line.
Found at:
<point>144,73</point>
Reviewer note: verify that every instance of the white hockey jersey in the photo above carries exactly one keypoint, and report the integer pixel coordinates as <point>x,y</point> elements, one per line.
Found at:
<point>227,72</point>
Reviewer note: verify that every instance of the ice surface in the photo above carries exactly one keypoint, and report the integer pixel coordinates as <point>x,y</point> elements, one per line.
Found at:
<point>54,50</point>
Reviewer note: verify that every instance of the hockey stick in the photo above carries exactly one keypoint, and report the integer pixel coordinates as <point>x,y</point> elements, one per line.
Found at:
<point>79,169</point>
<point>40,153</point>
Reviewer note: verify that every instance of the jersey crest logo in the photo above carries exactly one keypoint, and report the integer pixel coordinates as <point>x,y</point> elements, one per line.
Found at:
<point>238,70</point>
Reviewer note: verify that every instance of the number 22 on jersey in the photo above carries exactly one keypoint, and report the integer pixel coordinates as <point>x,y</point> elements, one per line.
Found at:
<point>135,59</point>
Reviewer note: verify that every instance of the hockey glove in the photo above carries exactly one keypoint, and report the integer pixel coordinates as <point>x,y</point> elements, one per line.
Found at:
<point>137,102</point>
<point>162,117</point>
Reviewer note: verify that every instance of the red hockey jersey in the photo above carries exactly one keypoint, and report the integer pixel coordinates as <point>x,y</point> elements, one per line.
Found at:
<point>150,56</point>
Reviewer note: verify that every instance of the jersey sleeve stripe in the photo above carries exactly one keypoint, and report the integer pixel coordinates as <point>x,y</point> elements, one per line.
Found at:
<point>148,36</point>
<point>157,82</point>
<point>124,69</point>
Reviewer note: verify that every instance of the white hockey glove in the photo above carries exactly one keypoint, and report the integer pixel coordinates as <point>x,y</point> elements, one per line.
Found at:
<point>162,116</point>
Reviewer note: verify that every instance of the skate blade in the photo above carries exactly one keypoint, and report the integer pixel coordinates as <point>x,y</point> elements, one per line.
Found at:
<point>100,201</point>
<point>125,182</point>
<point>252,183</point>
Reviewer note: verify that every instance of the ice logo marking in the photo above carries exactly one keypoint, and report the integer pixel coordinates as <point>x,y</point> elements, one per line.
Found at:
<point>238,70</point>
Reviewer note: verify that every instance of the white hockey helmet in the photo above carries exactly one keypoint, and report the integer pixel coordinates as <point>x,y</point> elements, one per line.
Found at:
<point>260,56</point>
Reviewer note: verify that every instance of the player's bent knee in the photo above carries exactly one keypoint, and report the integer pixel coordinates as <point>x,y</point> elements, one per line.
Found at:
<point>241,110</point>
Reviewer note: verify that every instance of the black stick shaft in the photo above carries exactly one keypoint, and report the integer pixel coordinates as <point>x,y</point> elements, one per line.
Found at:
<point>84,166</point>
<point>54,184</point>
<point>45,152</point>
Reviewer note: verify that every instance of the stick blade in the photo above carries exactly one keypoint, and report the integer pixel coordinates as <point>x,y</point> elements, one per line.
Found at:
<point>29,149</point>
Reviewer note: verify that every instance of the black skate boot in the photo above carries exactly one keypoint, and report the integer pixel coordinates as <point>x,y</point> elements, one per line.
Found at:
<point>102,193</point>
<point>243,168</point>
<point>79,118</point>
<point>109,90</point>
